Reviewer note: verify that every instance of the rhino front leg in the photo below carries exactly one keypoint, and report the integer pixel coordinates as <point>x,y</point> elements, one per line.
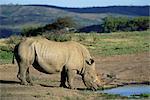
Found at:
<point>70,78</point>
<point>63,78</point>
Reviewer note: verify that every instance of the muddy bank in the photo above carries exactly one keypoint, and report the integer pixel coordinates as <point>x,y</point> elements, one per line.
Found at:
<point>129,69</point>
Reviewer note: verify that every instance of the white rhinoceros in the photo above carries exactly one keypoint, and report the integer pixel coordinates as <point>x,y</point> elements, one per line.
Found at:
<point>50,57</point>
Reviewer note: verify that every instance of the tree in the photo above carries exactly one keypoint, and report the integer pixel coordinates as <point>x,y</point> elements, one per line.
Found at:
<point>58,25</point>
<point>113,24</point>
<point>61,23</point>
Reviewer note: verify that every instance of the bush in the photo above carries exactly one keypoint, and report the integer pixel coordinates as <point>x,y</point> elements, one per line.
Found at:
<point>32,31</point>
<point>81,37</point>
<point>12,41</point>
<point>59,25</point>
<point>113,24</point>
<point>59,37</point>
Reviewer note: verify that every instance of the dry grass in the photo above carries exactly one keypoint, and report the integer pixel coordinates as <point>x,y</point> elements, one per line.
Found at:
<point>3,42</point>
<point>117,40</point>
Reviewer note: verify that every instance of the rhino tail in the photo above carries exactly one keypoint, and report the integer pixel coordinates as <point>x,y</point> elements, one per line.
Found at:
<point>13,59</point>
<point>14,51</point>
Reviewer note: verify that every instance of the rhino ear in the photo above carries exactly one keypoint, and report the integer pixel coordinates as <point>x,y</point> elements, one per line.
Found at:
<point>90,61</point>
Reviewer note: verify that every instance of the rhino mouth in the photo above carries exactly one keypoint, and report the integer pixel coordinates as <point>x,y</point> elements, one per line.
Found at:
<point>94,85</point>
<point>91,84</point>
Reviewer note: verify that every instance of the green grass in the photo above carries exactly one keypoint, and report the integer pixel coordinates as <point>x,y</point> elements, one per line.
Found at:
<point>140,96</point>
<point>118,43</point>
<point>5,57</point>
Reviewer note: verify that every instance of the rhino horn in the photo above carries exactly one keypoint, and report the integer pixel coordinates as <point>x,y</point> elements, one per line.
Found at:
<point>107,79</point>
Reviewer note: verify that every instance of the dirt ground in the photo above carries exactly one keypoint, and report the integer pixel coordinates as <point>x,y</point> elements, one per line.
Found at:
<point>128,68</point>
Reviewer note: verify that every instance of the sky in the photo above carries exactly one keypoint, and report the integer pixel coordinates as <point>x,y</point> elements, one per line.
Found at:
<point>79,3</point>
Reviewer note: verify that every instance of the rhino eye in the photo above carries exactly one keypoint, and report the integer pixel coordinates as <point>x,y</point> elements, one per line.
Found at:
<point>90,62</point>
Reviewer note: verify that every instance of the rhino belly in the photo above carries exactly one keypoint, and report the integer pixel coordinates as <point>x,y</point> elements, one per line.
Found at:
<point>45,67</point>
<point>50,59</point>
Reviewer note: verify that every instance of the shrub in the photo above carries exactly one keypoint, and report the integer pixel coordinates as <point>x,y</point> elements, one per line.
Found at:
<point>61,24</point>
<point>81,37</point>
<point>12,41</point>
<point>113,24</point>
<point>59,37</point>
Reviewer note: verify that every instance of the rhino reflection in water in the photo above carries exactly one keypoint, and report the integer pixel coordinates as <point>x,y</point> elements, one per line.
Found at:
<point>50,57</point>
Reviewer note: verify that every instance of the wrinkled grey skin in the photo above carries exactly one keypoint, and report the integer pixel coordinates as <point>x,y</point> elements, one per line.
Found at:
<point>50,57</point>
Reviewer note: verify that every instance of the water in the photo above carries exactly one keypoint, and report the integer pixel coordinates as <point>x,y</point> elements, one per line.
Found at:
<point>129,90</point>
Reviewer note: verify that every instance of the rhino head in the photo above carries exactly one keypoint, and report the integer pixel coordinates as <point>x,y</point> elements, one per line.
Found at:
<point>90,77</point>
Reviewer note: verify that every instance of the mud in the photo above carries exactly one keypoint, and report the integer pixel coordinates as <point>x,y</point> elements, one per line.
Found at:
<point>127,68</point>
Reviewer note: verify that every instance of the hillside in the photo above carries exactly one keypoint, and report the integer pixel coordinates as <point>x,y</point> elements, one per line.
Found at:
<point>124,10</point>
<point>14,17</point>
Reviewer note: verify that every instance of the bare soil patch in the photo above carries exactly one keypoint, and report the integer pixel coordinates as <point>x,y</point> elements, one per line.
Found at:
<point>128,68</point>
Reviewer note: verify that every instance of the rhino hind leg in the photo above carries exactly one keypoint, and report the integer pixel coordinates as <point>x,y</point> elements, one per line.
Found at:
<point>63,78</point>
<point>22,73</point>
<point>28,77</point>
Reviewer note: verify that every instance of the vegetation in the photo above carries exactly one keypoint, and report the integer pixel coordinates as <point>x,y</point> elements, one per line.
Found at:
<point>110,24</point>
<point>60,26</point>
<point>121,43</point>
<point>6,49</point>
<point>59,37</point>
<point>113,24</point>
<point>99,44</point>
<point>15,17</point>
<point>141,96</point>
<point>5,57</point>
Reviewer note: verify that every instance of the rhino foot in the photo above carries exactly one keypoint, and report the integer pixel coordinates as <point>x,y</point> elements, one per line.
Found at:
<point>24,83</point>
<point>27,84</point>
<point>72,88</point>
<point>63,85</point>
<point>31,84</point>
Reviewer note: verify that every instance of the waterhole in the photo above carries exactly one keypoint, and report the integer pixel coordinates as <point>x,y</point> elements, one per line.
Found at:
<point>128,90</point>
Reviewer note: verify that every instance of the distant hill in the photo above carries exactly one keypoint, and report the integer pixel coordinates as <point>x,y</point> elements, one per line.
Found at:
<point>124,10</point>
<point>14,17</point>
